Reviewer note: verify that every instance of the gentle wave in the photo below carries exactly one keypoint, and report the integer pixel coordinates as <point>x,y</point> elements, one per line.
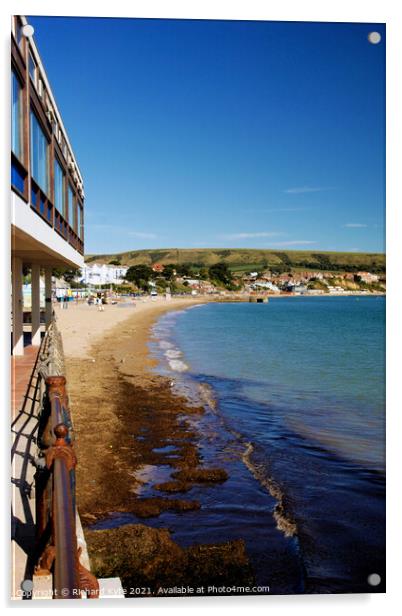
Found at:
<point>173,354</point>
<point>284,521</point>
<point>307,421</point>
<point>177,365</point>
<point>207,396</point>
<point>204,394</point>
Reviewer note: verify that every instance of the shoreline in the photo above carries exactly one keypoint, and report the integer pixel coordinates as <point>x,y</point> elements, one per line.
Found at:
<point>108,378</point>
<point>112,390</point>
<point>137,458</point>
<point>83,326</point>
<point>245,298</point>
<point>142,450</point>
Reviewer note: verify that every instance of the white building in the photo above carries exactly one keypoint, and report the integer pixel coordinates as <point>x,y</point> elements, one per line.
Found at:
<point>335,290</point>
<point>47,195</point>
<point>102,274</point>
<point>269,286</point>
<point>368,277</point>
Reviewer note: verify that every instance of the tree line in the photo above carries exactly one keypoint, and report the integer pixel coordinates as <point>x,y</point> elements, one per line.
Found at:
<point>141,275</point>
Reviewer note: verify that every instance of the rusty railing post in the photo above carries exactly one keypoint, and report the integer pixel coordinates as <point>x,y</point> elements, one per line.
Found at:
<point>56,538</point>
<point>61,459</point>
<point>56,387</point>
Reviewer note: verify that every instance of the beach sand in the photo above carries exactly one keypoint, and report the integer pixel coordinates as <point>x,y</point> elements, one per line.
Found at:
<point>82,325</point>
<point>115,397</point>
<point>122,412</point>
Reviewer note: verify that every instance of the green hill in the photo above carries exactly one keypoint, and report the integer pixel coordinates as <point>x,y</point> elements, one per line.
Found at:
<point>242,259</point>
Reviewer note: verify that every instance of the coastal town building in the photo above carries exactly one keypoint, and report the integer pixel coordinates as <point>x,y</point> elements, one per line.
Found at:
<point>335,290</point>
<point>158,267</point>
<point>47,191</point>
<point>102,274</point>
<point>367,277</point>
<point>265,285</point>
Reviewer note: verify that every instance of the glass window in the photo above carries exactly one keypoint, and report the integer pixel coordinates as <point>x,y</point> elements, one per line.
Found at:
<point>32,68</point>
<point>42,205</point>
<point>70,205</point>
<point>58,187</point>
<point>16,123</point>
<point>17,177</point>
<point>79,221</point>
<point>39,155</point>
<point>18,31</point>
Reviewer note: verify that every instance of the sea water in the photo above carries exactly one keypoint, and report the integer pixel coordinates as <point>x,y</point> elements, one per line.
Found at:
<point>294,398</point>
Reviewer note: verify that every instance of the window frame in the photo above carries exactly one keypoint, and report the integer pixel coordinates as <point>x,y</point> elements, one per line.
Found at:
<point>19,37</point>
<point>80,226</point>
<point>46,190</point>
<point>34,76</point>
<point>56,159</point>
<point>20,165</point>
<point>70,187</point>
<point>14,75</point>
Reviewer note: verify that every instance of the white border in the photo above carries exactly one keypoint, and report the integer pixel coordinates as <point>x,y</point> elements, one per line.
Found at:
<point>289,10</point>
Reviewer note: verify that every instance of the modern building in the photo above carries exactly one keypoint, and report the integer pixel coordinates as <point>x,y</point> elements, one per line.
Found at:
<point>47,192</point>
<point>103,274</point>
<point>47,233</point>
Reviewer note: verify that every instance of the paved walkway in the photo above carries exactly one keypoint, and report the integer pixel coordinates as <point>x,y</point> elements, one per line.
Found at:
<point>25,408</point>
<point>25,400</point>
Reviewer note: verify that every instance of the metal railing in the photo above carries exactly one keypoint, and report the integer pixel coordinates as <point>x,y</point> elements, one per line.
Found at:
<point>56,540</point>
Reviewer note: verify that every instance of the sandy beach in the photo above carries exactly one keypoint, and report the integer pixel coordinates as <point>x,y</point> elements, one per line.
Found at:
<point>125,415</point>
<point>82,325</point>
<point>110,385</point>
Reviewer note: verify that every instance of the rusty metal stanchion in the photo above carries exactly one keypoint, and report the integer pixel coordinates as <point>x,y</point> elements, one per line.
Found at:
<point>56,387</point>
<point>70,577</point>
<point>66,582</point>
<point>55,484</point>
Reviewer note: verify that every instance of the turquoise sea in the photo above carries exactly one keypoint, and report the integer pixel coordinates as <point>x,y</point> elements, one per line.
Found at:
<point>295,402</point>
<point>294,398</point>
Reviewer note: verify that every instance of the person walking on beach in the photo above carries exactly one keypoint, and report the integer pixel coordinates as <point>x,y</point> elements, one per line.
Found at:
<point>100,303</point>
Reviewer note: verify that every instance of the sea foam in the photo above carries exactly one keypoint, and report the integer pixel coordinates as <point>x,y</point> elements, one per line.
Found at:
<point>177,365</point>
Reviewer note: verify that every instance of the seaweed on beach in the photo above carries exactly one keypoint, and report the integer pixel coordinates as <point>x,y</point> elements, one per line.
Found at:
<point>201,475</point>
<point>147,557</point>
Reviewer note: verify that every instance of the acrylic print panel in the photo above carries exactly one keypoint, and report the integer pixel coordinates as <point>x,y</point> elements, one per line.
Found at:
<point>223,324</point>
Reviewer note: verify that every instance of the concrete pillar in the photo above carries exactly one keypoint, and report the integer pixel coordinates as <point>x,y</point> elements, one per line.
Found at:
<point>48,295</point>
<point>35,303</point>
<point>17,306</point>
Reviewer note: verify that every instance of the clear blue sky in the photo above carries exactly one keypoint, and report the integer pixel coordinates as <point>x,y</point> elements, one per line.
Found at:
<point>223,133</point>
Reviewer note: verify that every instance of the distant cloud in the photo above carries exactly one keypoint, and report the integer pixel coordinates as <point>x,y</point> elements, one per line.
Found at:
<point>293,243</point>
<point>306,189</point>
<point>246,236</point>
<point>355,225</point>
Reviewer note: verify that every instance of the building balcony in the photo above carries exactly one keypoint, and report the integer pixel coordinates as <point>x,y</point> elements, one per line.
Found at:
<point>47,196</point>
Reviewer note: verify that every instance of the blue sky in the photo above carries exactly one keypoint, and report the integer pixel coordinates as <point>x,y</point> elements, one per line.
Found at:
<point>223,133</point>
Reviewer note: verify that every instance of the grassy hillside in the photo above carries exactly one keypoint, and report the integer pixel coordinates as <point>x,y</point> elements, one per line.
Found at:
<point>243,260</point>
